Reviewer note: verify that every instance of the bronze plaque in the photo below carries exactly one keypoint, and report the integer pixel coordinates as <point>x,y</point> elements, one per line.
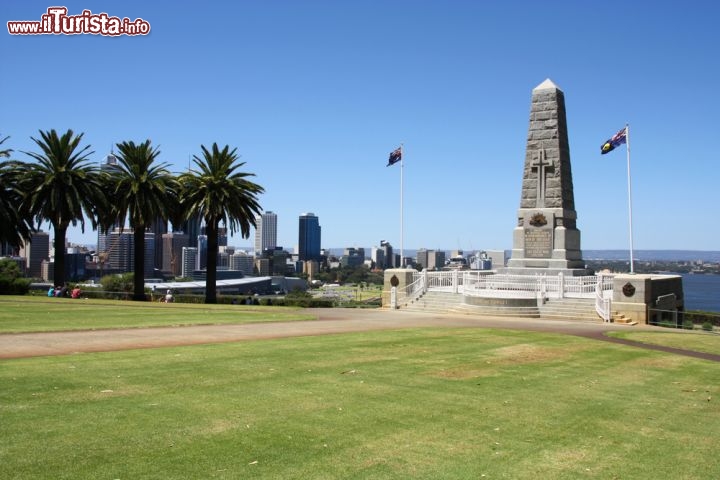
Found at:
<point>538,243</point>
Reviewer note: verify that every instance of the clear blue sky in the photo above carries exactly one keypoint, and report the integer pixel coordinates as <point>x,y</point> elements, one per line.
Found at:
<point>315,95</point>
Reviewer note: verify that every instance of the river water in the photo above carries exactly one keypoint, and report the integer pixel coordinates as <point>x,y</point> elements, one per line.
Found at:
<point>702,292</point>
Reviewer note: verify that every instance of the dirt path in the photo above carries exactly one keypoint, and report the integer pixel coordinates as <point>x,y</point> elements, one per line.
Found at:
<point>328,321</point>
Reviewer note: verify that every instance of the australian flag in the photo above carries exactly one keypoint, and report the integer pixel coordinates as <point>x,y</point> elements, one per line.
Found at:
<point>395,156</point>
<point>618,139</point>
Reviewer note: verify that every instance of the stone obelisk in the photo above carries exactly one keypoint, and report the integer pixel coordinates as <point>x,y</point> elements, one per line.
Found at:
<point>546,239</point>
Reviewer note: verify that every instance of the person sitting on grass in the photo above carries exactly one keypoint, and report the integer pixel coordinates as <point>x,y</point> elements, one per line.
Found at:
<point>75,292</point>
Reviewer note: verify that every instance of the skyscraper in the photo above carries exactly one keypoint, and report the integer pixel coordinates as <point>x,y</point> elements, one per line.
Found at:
<point>265,232</point>
<point>309,239</point>
<point>173,246</point>
<point>35,251</point>
<point>109,162</point>
<point>189,261</point>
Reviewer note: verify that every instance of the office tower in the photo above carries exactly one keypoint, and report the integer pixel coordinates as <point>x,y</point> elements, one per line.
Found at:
<point>222,237</point>
<point>159,228</point>
<point>421,258</point>
<point>353,257</point>
<point>108,163</point>
<point>242,262</point>
<point>377,255</point>
<point>387,249</point>
<point>120,251</point>
<point>436,259</point>
<point>189,261</point>
<point>265,232</point>
<point>173,245</point>
<point>309,239</point>
<point>202,246</point>
<point>35,251</point>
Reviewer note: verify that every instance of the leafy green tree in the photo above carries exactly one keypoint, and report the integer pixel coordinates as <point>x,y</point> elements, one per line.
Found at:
<point>61,187</point>
<point>143,191</point>
<point>217,191</point>
<point>11,279</point>
<point>14,226</point>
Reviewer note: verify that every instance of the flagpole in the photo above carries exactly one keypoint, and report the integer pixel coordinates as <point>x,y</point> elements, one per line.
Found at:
<point>402,251</point>
<point>627,148</point>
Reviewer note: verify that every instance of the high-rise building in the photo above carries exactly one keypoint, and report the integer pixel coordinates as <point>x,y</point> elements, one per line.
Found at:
<point>120,250</point>
<point>387,250</point>
<point>159,228</point>
<point>421,258</point>
<point>353,257</point>
<point>309,238</point>
<point>436,259</point>
<point>189,261</point>
<point>173,245</point>
<point>242,262</point>
<point>202,247</point>
<point>191,228</point>
<point>35,251</point>
<point>109,162</point>
<point>265,232</point>
<point>378,257</point>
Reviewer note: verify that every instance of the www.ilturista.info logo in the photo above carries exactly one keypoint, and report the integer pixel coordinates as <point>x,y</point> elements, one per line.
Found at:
<point>57,22</point>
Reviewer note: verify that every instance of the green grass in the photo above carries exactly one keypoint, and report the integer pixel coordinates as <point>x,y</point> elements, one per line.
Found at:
<point>37,314</point>
<point>422,403</point>
<point>698,341</point>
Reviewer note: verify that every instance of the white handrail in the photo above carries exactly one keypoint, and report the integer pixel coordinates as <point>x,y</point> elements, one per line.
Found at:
<point>603,306</point>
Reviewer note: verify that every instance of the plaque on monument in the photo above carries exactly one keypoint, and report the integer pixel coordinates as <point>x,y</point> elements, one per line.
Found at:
<point>538,237</point>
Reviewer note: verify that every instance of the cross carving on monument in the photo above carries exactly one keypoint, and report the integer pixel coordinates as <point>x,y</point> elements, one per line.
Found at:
<point>542,165</point>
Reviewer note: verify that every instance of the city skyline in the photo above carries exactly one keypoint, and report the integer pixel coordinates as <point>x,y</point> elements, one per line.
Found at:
<point>316,94</point>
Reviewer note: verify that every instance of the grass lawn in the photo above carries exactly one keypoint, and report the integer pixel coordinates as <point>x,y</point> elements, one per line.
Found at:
<point>698,341</point>
<point>421,403</point>
<point>37,314</point>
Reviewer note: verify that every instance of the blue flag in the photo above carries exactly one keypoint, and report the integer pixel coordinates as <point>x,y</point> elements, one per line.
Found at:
<point>615,141</point>
<point>395,156</point>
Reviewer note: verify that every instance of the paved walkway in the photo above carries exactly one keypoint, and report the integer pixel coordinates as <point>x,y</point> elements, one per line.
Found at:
<point>328,321</point>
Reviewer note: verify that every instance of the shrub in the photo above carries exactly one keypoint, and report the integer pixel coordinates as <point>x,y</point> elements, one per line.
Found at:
<point>16,286</point>
<point>688,325</point>
<point>11,281</point>
<point>707,326</point>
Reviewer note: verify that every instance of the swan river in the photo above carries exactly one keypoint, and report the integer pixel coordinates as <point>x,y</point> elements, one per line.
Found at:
<point>702,292</point>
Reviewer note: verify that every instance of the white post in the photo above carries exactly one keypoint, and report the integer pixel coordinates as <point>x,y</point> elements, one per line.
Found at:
<point>402,239</point>
<point>561,285</point>
<point>627,148</point>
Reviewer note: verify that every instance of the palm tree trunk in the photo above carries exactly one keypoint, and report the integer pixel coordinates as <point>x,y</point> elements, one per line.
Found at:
<point>139,264</point>
<point>59,245</point>
<point>211,229</point>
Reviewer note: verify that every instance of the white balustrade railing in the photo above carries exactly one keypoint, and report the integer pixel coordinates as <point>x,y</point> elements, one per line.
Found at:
<point>603,304</point>
<point>486,284</point>
<point>412,290</point>
<point>482,283</point>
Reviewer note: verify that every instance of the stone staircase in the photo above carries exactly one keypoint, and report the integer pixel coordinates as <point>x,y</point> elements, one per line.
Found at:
<point>581,309</point>
<point>618,317</point>
<point>570,309</point>
<point>435,302</point>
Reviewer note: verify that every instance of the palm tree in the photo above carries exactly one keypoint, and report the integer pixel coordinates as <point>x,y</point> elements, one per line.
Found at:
<point>143,192</point>
<point>14,226</point>
<point>218,191</point>
<point>61,187</point>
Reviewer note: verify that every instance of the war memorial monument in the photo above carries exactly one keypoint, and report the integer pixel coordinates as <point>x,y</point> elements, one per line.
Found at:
<point>546,236</point>
<point>546,264</point>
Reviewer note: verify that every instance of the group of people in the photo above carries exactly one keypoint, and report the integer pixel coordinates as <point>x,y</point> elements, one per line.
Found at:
<point>63,292</point>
